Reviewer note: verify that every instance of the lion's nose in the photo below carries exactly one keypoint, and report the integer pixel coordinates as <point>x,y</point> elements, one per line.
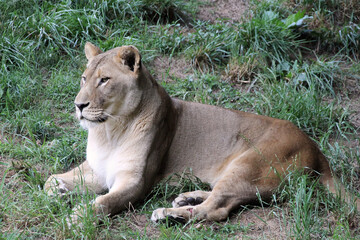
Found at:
<point>81,106</point>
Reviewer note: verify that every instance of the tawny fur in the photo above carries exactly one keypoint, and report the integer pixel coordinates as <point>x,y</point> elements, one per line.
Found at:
<point>138,135</point>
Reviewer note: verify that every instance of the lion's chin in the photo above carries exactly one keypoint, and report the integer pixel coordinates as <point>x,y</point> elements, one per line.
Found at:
<point>87,124</point>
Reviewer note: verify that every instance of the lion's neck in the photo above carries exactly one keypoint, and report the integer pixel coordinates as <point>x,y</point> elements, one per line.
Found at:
<point>108,133</point>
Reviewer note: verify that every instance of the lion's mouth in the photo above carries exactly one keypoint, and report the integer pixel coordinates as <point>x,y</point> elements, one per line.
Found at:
<point>90,117</point>
<point>100,119</point>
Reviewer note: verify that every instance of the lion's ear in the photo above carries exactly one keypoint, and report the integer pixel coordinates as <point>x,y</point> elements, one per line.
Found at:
<point>91,50</point>
<point>129,56</point>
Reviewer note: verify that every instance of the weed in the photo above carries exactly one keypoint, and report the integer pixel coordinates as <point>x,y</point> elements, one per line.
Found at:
<point>210,45</point>
<point>268,36</point>
<point>334,25</point>
<point>170,39</point>
<point>242,68</point>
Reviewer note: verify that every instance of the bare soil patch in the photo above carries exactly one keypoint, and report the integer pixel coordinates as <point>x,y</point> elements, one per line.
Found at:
<point>256,223</point>
<point>226,10</point>
<point>263,223</point>
<point>137,223</point>
<point>166,68</point>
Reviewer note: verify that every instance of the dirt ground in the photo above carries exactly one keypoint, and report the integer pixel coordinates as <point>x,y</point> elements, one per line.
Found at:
<point>166,68</point>
<point>227,10</point>
<point>257,223</point>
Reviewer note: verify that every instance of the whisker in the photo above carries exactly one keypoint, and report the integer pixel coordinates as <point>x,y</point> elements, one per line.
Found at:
<point>111,116</point>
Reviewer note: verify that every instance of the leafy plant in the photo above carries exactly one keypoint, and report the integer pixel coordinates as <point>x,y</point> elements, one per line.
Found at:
<point>267,35</point>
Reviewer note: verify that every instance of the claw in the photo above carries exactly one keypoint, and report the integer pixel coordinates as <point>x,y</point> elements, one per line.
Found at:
<point>182,203</point>
<point>198,200</point>
<point>191,201</point>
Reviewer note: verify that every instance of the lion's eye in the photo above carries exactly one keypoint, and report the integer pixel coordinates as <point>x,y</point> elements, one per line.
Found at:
<point>103,80</point>
<point>83,79</point>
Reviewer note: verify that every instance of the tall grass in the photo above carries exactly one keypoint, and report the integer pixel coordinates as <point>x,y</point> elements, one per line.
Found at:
<point>304,108</point>
<point>334,26</point>
<point>266,34</point>
<point>210,45</point>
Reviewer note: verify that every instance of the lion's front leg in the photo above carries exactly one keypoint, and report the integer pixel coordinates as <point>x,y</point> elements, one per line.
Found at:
<point>125,190</point>
<point>81,177</point>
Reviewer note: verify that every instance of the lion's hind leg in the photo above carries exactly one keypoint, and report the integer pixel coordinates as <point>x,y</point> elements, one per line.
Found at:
<point>216,207</point>
<point>239,184</point>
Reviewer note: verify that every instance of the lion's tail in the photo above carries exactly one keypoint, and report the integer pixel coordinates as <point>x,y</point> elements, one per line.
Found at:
<point>329,180</point>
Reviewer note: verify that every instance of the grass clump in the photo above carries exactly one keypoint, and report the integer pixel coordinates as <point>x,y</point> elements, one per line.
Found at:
<point>343,159</point>
<point>267,34</point>
<point>305,207</point>
<point>334,25</point>
<point>210,45</point>
<point>302,107</point>
<point>170,39</point>
<point>165,11</point>
<point>16,90</point>
<point>322,75</point>
<point>242,68</point>
<point>207,89</point>
<point>312,207</point>
<point>302,193</point>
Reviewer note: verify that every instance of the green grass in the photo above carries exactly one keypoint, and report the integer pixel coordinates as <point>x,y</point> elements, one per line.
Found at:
<point>334,25</point>
<point>263,65</point>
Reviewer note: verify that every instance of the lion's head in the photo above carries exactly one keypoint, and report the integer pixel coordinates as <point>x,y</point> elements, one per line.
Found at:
<point>111,85</point>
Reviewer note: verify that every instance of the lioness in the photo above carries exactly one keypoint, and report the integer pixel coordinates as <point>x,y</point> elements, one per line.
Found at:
<point>138,134</point>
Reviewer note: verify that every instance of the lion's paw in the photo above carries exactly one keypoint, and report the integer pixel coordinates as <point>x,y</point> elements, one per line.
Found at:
<point>161,215</point>
<point>182,200</point>
<point>55,186</point>
<point>74,220</point>
<point>79,213</point>
<point>158,215</point>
